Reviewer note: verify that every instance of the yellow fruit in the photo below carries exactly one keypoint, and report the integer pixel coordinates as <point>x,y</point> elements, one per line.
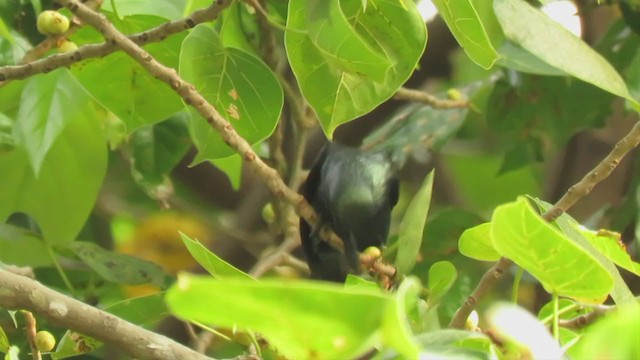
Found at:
<point>373,251</point>
<point>52,23</point>
<point>45,342</point>
<point>67,46</point>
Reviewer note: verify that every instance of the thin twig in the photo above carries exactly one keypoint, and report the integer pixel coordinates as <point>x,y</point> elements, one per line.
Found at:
<point>575,193</point>
<point>192,97</point>
<point>31,330</point>
<point>426,98</point>
<point>158,33</point>
<point>19,292</point>
<point>586,319</point>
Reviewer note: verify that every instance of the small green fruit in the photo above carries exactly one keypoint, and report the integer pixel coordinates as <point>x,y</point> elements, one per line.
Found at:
<point>67,46</point>
<point>45,342</point>
<point>268,214</point>
<point>52,23</point>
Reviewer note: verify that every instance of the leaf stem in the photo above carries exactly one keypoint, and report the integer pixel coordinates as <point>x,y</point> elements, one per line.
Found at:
<point>516,285</point>
<point>63,275</point>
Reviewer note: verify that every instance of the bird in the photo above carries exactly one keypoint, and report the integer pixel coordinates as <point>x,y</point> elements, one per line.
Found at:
<point>353,191</point>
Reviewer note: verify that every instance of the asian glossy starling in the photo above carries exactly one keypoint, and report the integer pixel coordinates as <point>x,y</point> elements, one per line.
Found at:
<point>353,192</point>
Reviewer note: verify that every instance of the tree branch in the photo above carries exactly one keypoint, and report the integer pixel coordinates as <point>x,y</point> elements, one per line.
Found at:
<point>158,33</point>
<point>192,97</point>
<point>19,292</point>
<point>575,193</point>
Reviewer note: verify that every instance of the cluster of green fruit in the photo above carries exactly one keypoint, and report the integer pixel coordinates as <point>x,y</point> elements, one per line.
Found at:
<point>52,23</point>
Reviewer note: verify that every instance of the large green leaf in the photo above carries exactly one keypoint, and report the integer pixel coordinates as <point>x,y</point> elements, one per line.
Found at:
<point>124,87</point>
<point>548,40</point>
<point>240,86</point>
<point>412,227</point>
<point>339,83</point>
<point>48,103</point>
<point>466,26</point>
<point>563,267</point>
<point>570,227</point>
<point>301,319</point>
<point>442,276</point>
<point>62,196</point>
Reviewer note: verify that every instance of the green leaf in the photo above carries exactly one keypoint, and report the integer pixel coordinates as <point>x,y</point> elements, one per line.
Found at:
<point>412,227</point>
<point>549,41</point>
<point>48,103</point>
<point>301,319</point>
<point>568,225</point>
<point>240,86</point>
<point>13,353</point>
<point>72,344</point>
<point>456,344</point>
<point>562,267</point>
<point>609,245</point>
<point>465,25</point>
<point>156,150</point>
<point>332,34</point>
<point>613,337</point>
<point>7,142</point>
<point>131,93</point>
<point>514,57</point>
<point>4,341</point>
<point>476,243</point>
<point>396,330</point>
<point>210,261</point>
<point>442,276</point>
<point>144,310</point>
<point>237,26</point>
<point>62,196</point>
<point>22,248</point>
<point>341,85</point>
<point>232,167</point>
<point>116,267</point>
<point>168,9</point>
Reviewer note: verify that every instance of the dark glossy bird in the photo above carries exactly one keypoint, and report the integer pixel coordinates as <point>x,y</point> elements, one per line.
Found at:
<point>353,191</point>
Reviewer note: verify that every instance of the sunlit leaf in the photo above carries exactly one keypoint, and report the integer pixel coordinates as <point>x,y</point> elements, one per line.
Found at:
<point>562,267</point>
<point>301,319</point>
<point>465,25</point>
<point>476,243</point>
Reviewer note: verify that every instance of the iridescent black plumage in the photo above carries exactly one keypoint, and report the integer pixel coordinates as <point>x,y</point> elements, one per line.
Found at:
<point>354,192</point>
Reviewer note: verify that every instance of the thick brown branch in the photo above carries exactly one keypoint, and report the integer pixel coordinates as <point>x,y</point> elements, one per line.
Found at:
<point>192,97</point>
<point>19,292</point>
<point>158,33</point>
<point>426,98</point>
<point>575,193</point>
